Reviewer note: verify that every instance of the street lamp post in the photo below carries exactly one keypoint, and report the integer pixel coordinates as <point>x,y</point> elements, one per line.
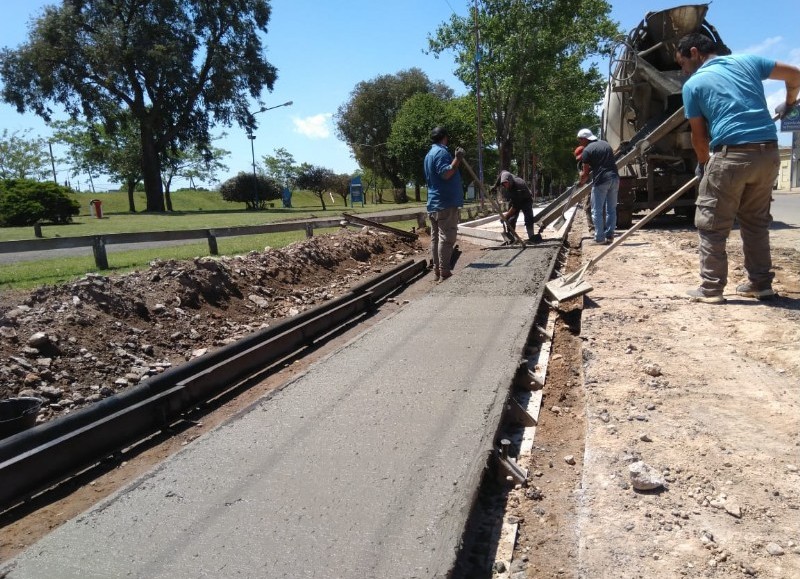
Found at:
<point>252,138</point>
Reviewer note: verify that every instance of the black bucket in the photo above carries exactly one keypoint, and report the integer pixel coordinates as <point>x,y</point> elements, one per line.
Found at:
<point>18,414</point>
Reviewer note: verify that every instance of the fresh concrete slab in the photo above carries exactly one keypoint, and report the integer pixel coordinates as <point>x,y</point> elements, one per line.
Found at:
<point>365,466</point>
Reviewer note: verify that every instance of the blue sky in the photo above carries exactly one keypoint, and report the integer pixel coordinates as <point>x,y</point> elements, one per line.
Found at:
<point>322,49</point>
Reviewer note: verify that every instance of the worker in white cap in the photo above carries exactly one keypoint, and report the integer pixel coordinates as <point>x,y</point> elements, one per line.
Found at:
<point>598,158</point>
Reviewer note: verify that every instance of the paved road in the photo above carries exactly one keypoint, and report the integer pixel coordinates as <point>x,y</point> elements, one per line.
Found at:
<point>366,466</point>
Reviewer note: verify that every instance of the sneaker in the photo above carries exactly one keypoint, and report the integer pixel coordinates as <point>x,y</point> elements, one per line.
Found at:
<point>697,295</point>
<point>436,275</point>
<point>748,290</point>
<point>609,240</point>
<point>446,274</point>
<point>601,242</point>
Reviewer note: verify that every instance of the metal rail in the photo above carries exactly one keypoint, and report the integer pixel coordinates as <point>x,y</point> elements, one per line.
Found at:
<point>36,459</point>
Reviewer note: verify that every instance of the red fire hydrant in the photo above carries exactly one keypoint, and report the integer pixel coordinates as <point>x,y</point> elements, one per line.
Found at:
<point>96,208</point>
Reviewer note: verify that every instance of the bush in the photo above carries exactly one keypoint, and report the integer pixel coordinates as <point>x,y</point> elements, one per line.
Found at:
<point>26,202</point>
<point>239,189</point>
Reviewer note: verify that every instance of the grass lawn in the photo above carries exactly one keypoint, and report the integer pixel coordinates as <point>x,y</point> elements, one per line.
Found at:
<point>192,210</point>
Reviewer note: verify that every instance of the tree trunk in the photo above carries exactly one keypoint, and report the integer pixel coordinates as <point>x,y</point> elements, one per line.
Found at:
<point>131,186</point>
<point>167,196</point>
<point>506,153</point>
<point>151,171</point>
<point>417,193</point>
<point>322,200</point>
<point>399,190</point>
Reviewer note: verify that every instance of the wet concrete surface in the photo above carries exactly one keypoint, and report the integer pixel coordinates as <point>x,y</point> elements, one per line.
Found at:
<point>365,466</point>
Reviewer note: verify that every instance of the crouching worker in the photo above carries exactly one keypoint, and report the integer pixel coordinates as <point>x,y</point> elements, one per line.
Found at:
<point>520,200</point>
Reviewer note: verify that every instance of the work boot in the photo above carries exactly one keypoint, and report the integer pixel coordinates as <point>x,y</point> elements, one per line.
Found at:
<point>698,295</point>
<point>436,275</point>
<point>531,235</point>
<point>751,290</point>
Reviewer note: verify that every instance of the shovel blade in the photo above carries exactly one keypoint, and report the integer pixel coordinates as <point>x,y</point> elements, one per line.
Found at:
<point>560,290</point>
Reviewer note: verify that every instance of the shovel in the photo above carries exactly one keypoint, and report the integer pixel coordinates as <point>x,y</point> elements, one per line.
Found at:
<point>508,232</point>
<point>574,285</point>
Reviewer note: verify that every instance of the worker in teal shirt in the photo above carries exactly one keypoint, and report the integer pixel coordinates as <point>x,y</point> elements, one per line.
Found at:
<point>736,143</point>
<point>445,197</point>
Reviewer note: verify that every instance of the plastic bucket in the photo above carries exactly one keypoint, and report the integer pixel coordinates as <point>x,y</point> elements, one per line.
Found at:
<point>18,414</point>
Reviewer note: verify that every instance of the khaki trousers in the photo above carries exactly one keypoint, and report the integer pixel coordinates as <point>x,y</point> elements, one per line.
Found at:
<point>737,186</point>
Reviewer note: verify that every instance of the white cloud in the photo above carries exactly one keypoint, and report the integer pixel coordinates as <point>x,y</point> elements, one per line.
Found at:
<point>314,127</point>
<point>764,46</point>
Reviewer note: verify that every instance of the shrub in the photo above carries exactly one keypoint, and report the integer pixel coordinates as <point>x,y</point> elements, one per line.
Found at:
<point>25,202</point>
<point>239,189</point>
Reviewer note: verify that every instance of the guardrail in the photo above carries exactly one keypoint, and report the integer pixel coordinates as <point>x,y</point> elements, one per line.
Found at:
<point>98,243</point>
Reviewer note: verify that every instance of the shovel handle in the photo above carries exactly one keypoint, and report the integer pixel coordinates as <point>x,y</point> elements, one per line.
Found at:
<point>646,219</point>
<point>493,203</point>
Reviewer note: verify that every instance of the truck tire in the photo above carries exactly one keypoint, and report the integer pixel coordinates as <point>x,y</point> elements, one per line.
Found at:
<point>686,211</point>
<point>624,217</point>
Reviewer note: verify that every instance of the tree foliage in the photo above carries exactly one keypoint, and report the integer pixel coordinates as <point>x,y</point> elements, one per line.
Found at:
<point>340,184</point>
<point>365,121</point>
<point>176,66</point>
<point>26,202</point>
<point>113,149</point>
<point>191,163</point>
<point>253,191</point>
<point>409,140</point>
<point>318,180</point>
<point>281,167</point>
<point>530,49</point>
<point>23,158</point>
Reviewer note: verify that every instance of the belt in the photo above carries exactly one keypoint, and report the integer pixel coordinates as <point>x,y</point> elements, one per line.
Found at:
<point>747,147</point>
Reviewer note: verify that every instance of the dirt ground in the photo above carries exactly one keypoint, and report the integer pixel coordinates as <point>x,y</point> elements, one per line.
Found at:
<point>706,395</point>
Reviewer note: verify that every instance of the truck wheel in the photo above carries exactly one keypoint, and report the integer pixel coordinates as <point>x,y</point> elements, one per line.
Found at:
<point>624,217</point>
<point>686,211</point>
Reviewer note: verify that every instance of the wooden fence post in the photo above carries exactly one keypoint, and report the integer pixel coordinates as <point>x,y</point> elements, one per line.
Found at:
<point>421,220</point>
<point>37,230</point>
<point>212,242</point>
<point>309,230</point>
<point>99,250</point>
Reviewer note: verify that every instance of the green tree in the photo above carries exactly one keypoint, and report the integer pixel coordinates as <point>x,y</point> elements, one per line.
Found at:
<point>113,148</point>
<point>527,45</point>
<point>409,140</point>
<point>26,202</point>
<point>340,184</point>
<point>191,163</point>
<point>318,180</point>
<point>365,121</point>
<point>245,188</point>
<point>176,65</point>
<point>281,167</point>
<point>23,158</point>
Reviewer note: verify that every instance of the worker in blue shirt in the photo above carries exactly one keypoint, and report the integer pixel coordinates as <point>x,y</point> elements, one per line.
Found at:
<point>736,143</point>
<point>445,197</point>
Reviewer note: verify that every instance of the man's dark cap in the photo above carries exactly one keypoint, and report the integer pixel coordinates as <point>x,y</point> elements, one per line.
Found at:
<point>437,134</point>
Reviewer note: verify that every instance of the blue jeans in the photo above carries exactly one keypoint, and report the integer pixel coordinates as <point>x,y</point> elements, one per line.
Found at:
<point>604,208</point>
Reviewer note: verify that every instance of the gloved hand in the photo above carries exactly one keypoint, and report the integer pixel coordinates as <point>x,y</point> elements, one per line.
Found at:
<point>783,109</point>
<point>700,170</point>
<point>460,153</point>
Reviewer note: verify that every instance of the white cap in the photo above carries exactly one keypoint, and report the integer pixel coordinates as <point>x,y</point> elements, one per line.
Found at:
<point>586,134</point>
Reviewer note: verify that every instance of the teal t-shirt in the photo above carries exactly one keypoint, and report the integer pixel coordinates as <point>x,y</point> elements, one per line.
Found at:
<point>728,92</point>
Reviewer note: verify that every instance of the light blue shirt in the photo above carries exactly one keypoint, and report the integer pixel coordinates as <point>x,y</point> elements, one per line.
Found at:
<point>442,193</point>
<point>728,92</point>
